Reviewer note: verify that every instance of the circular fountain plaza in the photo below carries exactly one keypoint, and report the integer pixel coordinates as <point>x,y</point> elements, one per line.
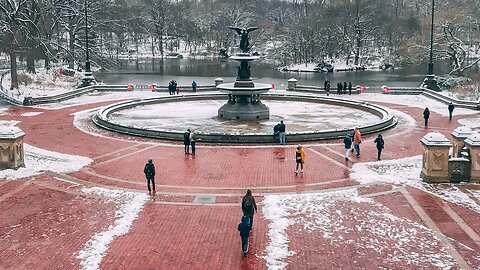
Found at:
<point>307,118</point>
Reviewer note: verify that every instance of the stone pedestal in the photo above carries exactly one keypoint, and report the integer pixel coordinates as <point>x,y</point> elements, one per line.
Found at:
<point>459,135</point>
<point>292,84</point>
<point>473,145</point>
<point>11,148</point>
<point>218,81</point>
<point>435,157</point>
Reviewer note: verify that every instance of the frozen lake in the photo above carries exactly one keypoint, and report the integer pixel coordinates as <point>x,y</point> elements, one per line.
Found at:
<point>201,116</point>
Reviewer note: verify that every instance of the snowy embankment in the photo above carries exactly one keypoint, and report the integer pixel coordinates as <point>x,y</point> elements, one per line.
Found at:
<point>43,83</point>
<point>131,203</point>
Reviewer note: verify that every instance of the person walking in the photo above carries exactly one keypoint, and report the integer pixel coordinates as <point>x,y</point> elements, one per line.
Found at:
<point>194,87</point>
<point>149,172</point>
<point>345,87</point>
<point>186,141</point>
<point>380,145</point>
<point>325,85</point>
<point>244,229</point>
<point>426,115</point>
<point>350,88</point>
<point>177,88</point>
<point>340,87</point>
<point>300,157</point>
<point>347,141</point>
<point>171,88</point>
<point>357,140</point>
<point>281,132</point>
<point>249,207</point>
<point>450,110</point>
<point>328,88</point>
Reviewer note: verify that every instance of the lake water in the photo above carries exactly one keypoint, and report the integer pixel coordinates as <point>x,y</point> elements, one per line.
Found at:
<point>203,71</point>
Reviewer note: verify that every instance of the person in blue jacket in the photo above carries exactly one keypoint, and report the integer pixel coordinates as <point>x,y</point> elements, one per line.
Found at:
<point>244,229</point>
<point>194,86</point>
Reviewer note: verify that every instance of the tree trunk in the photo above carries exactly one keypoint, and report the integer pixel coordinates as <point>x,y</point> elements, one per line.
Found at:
<point>71,46</point>
<point>13,70</point>
<point>358,46</point>
<point>30,63</point>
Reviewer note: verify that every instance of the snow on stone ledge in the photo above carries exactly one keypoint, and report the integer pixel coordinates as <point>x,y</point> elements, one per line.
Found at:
<point>38,160</point>
<point>96,248</point>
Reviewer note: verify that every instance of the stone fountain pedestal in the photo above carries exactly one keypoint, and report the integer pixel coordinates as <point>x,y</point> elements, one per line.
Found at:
<point>244,95</point>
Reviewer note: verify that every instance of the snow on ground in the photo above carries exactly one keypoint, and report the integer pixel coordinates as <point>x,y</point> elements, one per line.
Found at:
<point>344,218</point>
<point>417,101</point>
<point>472,123</point>
<point>43,83</point>
<point>31,114</point>
<point>9,123</point>
<point>38,160</point>
<point>3,111</point>
<point>96,248</point>
<point>406,172</point>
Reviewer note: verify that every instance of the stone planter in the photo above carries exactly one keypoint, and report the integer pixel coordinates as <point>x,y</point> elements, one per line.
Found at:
<point>11,148</point>
<point>292,84</point>
<point>435,157</point>
<point>473,145</point>
<point>459,135</point>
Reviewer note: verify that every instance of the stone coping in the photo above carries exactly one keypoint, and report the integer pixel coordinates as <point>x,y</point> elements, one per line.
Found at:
<point>101,119</point>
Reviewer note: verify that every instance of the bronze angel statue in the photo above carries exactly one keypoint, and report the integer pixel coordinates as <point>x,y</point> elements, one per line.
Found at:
<point>243,33</point>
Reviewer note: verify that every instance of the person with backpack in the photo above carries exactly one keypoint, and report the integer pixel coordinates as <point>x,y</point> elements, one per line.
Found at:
<point>149,171</point>
<point>300,157</point>
<point>186,141</point>
<point>249,207</point>
<point>193,139</point>
<point>426,115</point>
<point>276,131</point>
<point>347,141</point>
<point>244,229</point>
<point>380,145</point>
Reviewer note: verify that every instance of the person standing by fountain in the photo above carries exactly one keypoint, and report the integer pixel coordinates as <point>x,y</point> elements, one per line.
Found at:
<point>193,139</point>
<point>300,157</point>
<point>426,115</point>
<point>281,132</point>
<point>345,87</point>
<point>350,88</point>
<point>149,172</point>
<point>357,140</point>
<point>347,141</point>
<point>186,141</point>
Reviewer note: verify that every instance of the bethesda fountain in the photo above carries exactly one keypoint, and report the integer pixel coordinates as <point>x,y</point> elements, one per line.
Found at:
<point>244,95</point>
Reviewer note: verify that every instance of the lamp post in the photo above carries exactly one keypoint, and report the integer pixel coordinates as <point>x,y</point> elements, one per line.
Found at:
<point>88,78</point>
<point>429,81</point>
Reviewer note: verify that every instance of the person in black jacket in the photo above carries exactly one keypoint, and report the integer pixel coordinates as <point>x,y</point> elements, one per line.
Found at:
<point>249,207</point>
<point>186,141</point>
<point>345,87</point>
<point>380,145</point>
<point>244,228</point>
<point>426,115</point>
<point>349,88</point>
<point>450,110</point>
<point>149,171</point>
<point>347,141</point>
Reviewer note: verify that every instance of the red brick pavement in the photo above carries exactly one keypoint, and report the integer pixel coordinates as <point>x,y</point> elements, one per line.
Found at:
<point>171,232</point>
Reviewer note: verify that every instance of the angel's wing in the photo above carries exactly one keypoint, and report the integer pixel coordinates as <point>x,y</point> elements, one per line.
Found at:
<point>237,29</point>
<point>250,29</point>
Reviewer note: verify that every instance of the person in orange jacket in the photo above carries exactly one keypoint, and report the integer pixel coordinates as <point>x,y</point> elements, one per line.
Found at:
<point>357,139</point>
<point>300,157</point>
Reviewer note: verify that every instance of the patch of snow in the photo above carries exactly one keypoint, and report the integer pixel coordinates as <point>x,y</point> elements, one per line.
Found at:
<point>3,111</point>
<point>131,204</point>
<point>30,114</point>
<point>8,123</point>
<point>39,160</point>
<point>277,248</point>
<point>345,218</point>
<point>417,101</point>
<point>406,172</point>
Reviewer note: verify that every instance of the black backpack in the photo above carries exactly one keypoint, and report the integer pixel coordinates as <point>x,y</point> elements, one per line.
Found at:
<point>248,207</point>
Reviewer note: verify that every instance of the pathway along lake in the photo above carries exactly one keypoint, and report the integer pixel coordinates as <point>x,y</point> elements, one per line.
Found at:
<point>184,71</point>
